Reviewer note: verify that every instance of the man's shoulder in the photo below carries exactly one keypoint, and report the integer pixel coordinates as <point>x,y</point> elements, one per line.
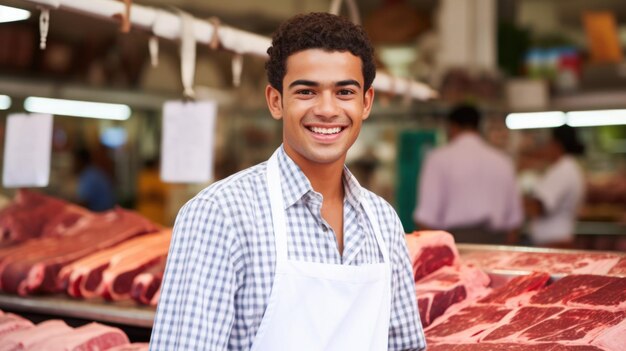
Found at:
<point>235,187</point>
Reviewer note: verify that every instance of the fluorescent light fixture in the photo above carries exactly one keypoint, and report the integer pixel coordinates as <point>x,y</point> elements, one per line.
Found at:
<point>11,14</point>
<point>77,108</point>
<point>529,120</point>
<point>596,118</point>
<point>5,102</point>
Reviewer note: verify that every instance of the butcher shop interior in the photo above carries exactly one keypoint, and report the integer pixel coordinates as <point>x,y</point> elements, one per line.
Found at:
<point>497,133</point>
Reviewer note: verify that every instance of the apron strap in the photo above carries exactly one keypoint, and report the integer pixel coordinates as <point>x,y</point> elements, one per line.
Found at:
<point>277,208</point>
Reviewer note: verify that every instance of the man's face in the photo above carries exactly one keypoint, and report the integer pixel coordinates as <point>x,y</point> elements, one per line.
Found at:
<point>322,105</point>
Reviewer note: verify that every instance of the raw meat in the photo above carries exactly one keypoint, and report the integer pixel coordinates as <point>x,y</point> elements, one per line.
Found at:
<point>10,322</point>
<point>25,338</point>
<point>446,287</point>
<point>467,324</point>
<point>33,215</point>
<point>83,278</point>
<point>554,263</point>
<point>431,250</point>
<point>511,347</point>
<point>510,327</point>
<point>140,346</point>
<point>517,290</point>
<point>92,336</point>
<point>613,338</point>
<point>155,298</point>
<point>146,284</point>
<point>619,269</point>
<point>117,279</point>
<point>36,269</point>
<point>573,287</point>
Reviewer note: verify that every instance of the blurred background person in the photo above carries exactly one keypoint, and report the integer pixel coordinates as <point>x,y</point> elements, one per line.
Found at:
<point>468,187</point>
<point>95,188</point>
<point>558,195</point>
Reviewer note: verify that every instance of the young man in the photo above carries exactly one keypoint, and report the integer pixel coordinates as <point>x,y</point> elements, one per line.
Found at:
<point>293,254</point>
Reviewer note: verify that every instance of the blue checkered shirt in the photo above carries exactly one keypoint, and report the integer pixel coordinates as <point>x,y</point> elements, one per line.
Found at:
<point>221,261</point>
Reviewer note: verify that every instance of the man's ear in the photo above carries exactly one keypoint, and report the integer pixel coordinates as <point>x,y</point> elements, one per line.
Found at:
<point>274,102</point>
<point>368,101</point>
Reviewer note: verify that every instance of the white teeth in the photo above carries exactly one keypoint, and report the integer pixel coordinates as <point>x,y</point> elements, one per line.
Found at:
<point>326,130</point>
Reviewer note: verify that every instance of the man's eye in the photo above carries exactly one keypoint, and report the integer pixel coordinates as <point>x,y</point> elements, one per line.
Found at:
<point>304,92</point>
<point>345,92</point>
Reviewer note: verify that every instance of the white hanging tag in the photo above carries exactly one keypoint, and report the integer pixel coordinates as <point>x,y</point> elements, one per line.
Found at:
<point>188,141</point>
<point>27,149</point>
<point>153,46</point>
<point>44,24</point>
<point>237,67</point>
<point>187,54</point>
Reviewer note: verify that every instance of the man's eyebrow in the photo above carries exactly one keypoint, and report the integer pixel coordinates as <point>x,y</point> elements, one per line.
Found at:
<point>308,83</point>
<point>343,83</point>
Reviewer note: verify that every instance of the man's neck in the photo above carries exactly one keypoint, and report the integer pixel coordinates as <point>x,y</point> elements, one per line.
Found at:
<point>325,179</point>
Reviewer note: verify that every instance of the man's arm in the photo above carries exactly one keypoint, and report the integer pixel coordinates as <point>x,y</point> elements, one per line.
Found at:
<point>405,328</point>
<point>196,307</point>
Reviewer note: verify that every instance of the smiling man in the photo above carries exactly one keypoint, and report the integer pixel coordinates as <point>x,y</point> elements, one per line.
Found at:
<point>293,254</point>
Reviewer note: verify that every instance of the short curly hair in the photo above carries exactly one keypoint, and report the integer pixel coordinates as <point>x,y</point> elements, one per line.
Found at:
<point>318,30</point>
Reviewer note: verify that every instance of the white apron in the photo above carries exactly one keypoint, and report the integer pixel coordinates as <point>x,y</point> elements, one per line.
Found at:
<point>319,306</point>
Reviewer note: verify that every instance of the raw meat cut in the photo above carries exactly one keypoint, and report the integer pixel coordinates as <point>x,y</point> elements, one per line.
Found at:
<point>10,322</point>
<point>83,278</point>
<point>146,284</point>
<point>431,250</point>
<point>511,347</point>
<point>571,288</point>
<point>613,338</point>
<point>447,286</point>
<point>155,298</point>
<point>117,279</point>
<point>551,262</point>
<point>25,338</point>
<point>140,346</point>
<point>92,336</point>
<point>33,215</point>
<point>36,269</point>
<point>518,321</point>
<point>619,269</point>
<point>467,324</point>
<point>517,290</point>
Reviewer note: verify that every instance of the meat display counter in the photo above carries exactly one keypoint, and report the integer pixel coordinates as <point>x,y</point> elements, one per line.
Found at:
<point>122,313</point>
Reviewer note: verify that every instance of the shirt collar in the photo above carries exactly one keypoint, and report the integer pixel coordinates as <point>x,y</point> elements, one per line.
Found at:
<point>295,184</point>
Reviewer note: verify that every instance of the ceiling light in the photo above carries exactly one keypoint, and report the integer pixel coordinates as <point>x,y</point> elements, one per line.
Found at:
<point>11,14</point>
<point>596,118</point>
<point>5,102</point>
<point>77,108</point>
<point>535,120</point>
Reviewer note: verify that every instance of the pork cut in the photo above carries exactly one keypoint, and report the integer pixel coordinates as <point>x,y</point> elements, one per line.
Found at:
<point>446,287</point>
<point>431,250</point>
<point>118,278</point>
<point>10,322</point>
<point>36,269</point>
<point>146,284</point>
<point>90,337</point>
<point>22,339</point>
<point>84,277</point>
<point>33,215</point>
<point>551,262</point>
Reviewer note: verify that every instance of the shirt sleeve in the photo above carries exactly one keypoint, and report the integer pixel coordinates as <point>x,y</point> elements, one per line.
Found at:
<point>430,201</point>
<point>196,308</point>
<point>551,190</point>
<point>405,327</point>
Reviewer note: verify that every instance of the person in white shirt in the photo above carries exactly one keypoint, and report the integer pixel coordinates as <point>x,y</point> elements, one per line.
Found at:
<point>559,193</point>
<point>468,187</point>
